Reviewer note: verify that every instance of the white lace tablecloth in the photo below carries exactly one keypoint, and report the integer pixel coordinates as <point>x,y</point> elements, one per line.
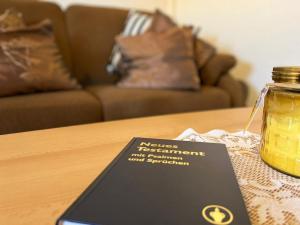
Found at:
<point>271,197</point>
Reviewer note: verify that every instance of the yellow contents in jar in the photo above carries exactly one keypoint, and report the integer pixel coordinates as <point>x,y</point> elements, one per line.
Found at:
<point>281,131</point>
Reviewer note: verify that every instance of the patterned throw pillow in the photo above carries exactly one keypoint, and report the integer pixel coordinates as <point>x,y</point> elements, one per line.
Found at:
<point>136,23</point>
<point>160,60</point>
<point>29,58</point>
<point>11,20</point>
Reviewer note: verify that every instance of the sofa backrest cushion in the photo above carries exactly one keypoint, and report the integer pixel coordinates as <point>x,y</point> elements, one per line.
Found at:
<point>92,31</point>
<point>34,11</point>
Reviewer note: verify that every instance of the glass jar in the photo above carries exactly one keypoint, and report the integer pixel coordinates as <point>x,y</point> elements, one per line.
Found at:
<point>280,147</point>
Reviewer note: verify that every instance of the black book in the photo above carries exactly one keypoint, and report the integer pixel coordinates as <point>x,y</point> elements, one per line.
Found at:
<point>162,182</point>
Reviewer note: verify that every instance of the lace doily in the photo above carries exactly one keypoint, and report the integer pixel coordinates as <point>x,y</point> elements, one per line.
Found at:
<point>271,197</point>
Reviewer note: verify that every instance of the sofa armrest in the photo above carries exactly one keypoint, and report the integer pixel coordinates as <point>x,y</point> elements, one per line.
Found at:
<point>217,66</point>
<point>236,89</point>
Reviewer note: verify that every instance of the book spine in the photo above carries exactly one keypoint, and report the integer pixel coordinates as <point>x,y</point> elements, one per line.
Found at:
<point>95,182</point>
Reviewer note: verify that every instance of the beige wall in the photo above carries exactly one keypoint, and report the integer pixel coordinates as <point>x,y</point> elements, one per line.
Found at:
<point>261,33</point>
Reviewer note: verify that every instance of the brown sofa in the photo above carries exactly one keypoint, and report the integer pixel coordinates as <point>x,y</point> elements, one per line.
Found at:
<point>85,36</point>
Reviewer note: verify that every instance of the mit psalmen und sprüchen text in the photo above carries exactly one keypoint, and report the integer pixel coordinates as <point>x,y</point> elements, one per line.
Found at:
<point>165,154</point>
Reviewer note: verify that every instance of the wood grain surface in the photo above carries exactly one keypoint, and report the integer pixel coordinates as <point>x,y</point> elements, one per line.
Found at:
<point>43,172</point>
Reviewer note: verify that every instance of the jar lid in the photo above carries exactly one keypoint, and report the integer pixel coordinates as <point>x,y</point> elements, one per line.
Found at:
<point>289,74</point>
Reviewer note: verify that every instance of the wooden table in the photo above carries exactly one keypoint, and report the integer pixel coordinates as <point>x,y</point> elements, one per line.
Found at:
<point>42,172</point>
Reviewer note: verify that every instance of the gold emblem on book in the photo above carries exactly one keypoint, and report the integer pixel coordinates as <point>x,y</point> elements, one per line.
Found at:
<point>218,215</point>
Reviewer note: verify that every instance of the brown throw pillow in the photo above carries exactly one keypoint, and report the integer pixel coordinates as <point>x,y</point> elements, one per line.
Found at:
<point>219,65</point>
<point>11,20</point>
<point>29,58</point>
<point>203,52</point>
<point>160,60</point>
<point>161,22</point>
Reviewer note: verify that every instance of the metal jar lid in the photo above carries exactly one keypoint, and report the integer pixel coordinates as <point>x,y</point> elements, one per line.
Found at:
<point>289,74</point>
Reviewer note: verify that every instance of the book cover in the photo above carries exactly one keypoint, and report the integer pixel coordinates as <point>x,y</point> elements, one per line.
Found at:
<point>162,182</point>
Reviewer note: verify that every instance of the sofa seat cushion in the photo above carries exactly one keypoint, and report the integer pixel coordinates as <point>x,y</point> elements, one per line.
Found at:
<point>120,103</point>
<point>48,110</point>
